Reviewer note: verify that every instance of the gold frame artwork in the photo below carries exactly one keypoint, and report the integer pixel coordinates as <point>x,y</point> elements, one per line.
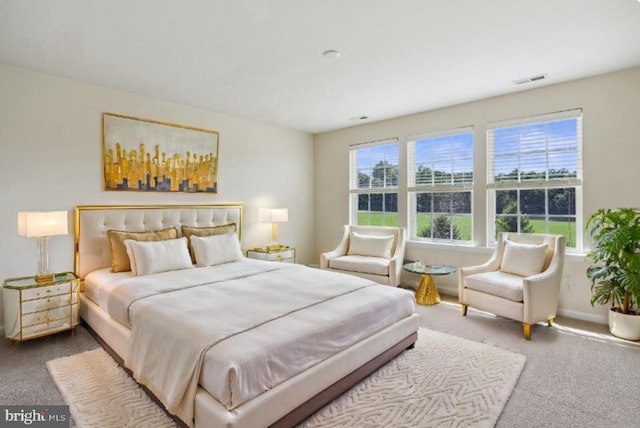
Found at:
<point>151,156</point>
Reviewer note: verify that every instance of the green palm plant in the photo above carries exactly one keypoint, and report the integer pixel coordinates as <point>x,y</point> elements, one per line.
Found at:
<point>615,272</point>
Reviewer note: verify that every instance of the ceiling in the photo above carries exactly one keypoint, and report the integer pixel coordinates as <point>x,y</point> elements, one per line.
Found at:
<point>262,59</point>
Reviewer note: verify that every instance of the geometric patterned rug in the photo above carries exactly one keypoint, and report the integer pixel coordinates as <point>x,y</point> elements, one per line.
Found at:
<point>101,394</point>
<point>445,381</point>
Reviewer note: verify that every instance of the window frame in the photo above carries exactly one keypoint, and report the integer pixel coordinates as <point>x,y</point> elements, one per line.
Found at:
<point>355,191</point>
<point>414,188</point>
<point>545,184</point>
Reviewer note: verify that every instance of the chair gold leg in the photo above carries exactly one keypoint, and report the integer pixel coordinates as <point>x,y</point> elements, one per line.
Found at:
<point>550,321</point>
<point>464,310</point>
<point>526,329</point>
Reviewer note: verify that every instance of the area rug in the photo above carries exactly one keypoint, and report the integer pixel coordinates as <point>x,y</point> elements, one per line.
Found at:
<point>445,381</point>
<point>101,394</point>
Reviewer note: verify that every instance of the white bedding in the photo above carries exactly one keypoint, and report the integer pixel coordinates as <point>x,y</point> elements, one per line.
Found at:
<point>99,283</point>
<point>295,342</point>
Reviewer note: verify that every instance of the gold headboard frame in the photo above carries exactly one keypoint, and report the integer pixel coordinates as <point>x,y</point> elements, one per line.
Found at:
<point>91,222</point>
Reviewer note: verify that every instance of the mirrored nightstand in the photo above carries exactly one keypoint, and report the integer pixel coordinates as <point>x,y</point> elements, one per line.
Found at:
<point>33,309</point>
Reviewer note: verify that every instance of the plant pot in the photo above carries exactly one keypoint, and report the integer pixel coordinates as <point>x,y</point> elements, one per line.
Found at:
<point>625,326</point>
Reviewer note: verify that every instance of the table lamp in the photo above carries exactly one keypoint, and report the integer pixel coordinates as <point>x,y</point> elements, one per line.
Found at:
<point>273,216</point>
<point>42,225</point>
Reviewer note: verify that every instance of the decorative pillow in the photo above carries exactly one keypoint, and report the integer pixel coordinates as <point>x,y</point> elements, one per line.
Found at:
<point>119,257</point>
<point>371,245</point>
<point>189,231</point>
<point>216,249</point>
<point>158,256</point>
<point>523,259</point>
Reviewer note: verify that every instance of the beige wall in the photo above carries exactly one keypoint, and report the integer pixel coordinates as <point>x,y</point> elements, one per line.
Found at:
<point>50,159</point>
<point>611,154</point>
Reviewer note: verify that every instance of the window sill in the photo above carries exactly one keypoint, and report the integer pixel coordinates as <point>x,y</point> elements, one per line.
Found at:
<point>572,255</point>
<point>445,246</point>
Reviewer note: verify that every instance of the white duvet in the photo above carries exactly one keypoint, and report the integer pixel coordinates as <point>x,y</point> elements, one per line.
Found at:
<point>242,328</point>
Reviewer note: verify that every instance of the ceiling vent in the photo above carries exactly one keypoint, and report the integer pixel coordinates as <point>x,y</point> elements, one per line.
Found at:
<point>531,79</point>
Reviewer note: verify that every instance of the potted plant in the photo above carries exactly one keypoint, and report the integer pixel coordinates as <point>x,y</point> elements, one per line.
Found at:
<point>615,272</point>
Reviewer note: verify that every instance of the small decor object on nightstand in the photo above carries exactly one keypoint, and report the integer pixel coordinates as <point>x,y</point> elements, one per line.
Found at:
<point>33,308</point>
<point>281,253</point>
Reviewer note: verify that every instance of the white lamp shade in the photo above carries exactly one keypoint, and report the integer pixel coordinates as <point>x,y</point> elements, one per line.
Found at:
<point>273,215</point>
<point>279,215</point>
<point>36,224</point>
<point>264,215</point>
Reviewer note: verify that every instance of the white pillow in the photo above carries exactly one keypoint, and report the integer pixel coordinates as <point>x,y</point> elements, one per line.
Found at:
<point>523,259</point>
<point>216,249</point>
<point>371,245</point>
<point>158,256</point>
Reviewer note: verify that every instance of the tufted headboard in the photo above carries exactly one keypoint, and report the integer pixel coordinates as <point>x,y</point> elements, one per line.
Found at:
<point>92,249</point>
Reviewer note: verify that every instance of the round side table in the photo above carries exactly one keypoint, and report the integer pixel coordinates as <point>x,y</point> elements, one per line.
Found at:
<point>427,293</point>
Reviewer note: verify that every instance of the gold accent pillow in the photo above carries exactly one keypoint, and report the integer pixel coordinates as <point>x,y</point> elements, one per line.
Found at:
<point>119,256</point>
<point>189,231</point>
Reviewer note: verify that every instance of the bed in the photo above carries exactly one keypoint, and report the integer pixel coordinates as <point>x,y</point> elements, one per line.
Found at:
<point>271,342</point>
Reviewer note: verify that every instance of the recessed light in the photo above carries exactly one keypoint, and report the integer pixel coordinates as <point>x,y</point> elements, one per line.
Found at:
<point>331,54</point>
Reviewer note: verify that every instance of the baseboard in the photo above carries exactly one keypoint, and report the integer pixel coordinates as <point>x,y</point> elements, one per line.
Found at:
<point>583,316</point>
<point>451,291</point>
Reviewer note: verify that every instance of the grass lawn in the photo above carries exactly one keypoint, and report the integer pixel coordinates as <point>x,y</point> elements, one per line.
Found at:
<point>463,223</point>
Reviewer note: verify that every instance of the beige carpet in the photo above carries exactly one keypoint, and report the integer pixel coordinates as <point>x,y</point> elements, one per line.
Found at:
<point>444,381</point>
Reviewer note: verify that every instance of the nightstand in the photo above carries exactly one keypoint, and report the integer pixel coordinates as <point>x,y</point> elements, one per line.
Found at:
<point>284,254</point>
<point>33,309</point>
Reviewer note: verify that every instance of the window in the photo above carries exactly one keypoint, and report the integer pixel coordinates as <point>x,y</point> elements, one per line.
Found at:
<point>440,185</point>
<point>535,176</point>
<point>374,183</point>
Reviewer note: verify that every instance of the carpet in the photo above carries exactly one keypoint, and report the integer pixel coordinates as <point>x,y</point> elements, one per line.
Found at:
<point>445,381</point>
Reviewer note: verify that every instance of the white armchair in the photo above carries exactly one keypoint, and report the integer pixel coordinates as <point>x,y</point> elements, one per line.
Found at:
<point>521,281</point>
<point>371,252</point>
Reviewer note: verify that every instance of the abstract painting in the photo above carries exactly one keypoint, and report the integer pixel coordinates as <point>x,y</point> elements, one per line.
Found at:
<point>153,156</point>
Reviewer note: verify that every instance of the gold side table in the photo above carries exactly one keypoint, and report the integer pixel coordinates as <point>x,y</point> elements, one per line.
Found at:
<point>427,293</point>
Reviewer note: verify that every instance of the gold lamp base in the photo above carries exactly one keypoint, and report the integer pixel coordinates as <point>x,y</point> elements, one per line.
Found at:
<point>427,293</point>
